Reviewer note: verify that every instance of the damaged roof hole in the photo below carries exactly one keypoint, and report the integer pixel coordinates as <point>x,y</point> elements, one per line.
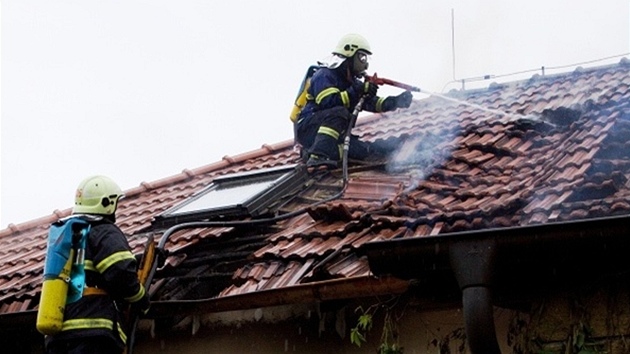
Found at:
<point>550,119</point>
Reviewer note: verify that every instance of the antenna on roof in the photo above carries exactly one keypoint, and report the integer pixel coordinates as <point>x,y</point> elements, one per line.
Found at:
<point>455,79</point>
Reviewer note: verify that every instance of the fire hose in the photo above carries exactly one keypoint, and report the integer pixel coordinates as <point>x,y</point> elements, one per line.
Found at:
<point>383,81</point>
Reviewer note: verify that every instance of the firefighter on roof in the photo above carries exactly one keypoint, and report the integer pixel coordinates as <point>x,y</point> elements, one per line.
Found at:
<point>94,323</point>
<point>334,91</point>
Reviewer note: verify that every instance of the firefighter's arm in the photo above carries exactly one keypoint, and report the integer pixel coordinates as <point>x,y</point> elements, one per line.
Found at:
<point>122,280</point>
<point>331,96</point>
<point>142,305</point>
<point>375,104</point>
<point>118,267</point>
<point>328,92</point>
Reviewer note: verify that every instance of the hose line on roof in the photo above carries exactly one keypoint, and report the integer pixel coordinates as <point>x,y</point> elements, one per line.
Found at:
<point>346,140</point>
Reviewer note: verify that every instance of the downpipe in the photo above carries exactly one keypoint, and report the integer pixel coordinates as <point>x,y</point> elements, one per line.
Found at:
<point>473,262</point>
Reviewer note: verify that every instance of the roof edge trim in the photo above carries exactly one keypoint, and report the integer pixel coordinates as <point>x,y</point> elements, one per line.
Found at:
<point>347,288</point>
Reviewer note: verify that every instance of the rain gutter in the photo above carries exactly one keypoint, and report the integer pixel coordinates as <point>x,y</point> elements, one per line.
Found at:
<point>347,288</point>
<point>507,266</point>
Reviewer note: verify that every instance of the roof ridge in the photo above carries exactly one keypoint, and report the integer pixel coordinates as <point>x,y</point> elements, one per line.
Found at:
<point>31,224</point>
<point>537,77</point>
<point>226,161</point>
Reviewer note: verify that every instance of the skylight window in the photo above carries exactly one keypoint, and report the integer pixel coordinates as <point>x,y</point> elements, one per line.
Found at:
<point>238,195</point>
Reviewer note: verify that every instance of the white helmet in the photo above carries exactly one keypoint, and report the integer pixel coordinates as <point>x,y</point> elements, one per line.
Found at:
<point>350,43</point>
<point>97,195</point>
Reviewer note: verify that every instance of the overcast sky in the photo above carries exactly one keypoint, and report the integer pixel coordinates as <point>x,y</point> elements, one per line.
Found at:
<point>140,90</point>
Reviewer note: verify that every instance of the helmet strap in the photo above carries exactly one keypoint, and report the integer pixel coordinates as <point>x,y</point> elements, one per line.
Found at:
<point>110,217</point>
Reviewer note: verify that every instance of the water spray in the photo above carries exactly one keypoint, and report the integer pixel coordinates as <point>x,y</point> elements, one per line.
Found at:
<point>477,106</point>
<point>383,81</point>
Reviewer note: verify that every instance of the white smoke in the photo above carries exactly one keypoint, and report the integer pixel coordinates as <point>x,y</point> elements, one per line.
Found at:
<point>420,154</point>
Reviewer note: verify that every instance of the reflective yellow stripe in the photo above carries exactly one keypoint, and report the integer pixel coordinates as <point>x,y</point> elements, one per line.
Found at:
<point>325,93</point>
<point>137,296</point>
<point>114,258</point>
<point>87,323</point>
<point>328,131</point>
<point>345,98</point>
<point>379,104</point>
<point>92,323</point>
<point>89,265</point>
<point>122,334</point>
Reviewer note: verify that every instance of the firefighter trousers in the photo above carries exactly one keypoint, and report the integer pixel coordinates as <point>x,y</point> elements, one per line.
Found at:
<point>323,133</point>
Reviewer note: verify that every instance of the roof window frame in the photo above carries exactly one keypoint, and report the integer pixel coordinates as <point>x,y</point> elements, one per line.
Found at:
<point>282,181</point>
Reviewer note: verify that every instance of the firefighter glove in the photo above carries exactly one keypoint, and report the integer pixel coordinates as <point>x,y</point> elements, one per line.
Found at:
<point>404,100</point>
<point>369,89</point>
<point>366,89</point>
<point>401,101</point>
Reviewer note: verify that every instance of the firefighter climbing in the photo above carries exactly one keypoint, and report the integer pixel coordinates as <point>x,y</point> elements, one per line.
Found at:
<point>98,256</point>
<point>331,94</point>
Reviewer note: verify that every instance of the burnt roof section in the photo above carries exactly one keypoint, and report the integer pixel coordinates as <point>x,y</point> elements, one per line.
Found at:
<point>559,153</point>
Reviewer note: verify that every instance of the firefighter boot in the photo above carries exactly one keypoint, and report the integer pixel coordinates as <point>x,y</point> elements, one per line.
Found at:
<point>324,153</point>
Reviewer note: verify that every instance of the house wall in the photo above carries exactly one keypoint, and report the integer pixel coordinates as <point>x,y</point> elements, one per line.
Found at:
<point>594,318</point>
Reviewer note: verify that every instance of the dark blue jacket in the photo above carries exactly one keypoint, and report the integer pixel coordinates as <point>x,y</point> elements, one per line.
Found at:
<point>332,88</point>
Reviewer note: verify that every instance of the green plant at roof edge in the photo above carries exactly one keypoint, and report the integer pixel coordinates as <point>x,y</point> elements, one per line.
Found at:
<point>389,335</point>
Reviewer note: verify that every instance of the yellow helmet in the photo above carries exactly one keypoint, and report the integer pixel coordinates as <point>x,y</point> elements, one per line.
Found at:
<point>350,43</point>
<point>97,195</point>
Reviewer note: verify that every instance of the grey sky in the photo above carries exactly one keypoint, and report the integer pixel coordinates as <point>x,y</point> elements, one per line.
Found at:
<point>140,90</point>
